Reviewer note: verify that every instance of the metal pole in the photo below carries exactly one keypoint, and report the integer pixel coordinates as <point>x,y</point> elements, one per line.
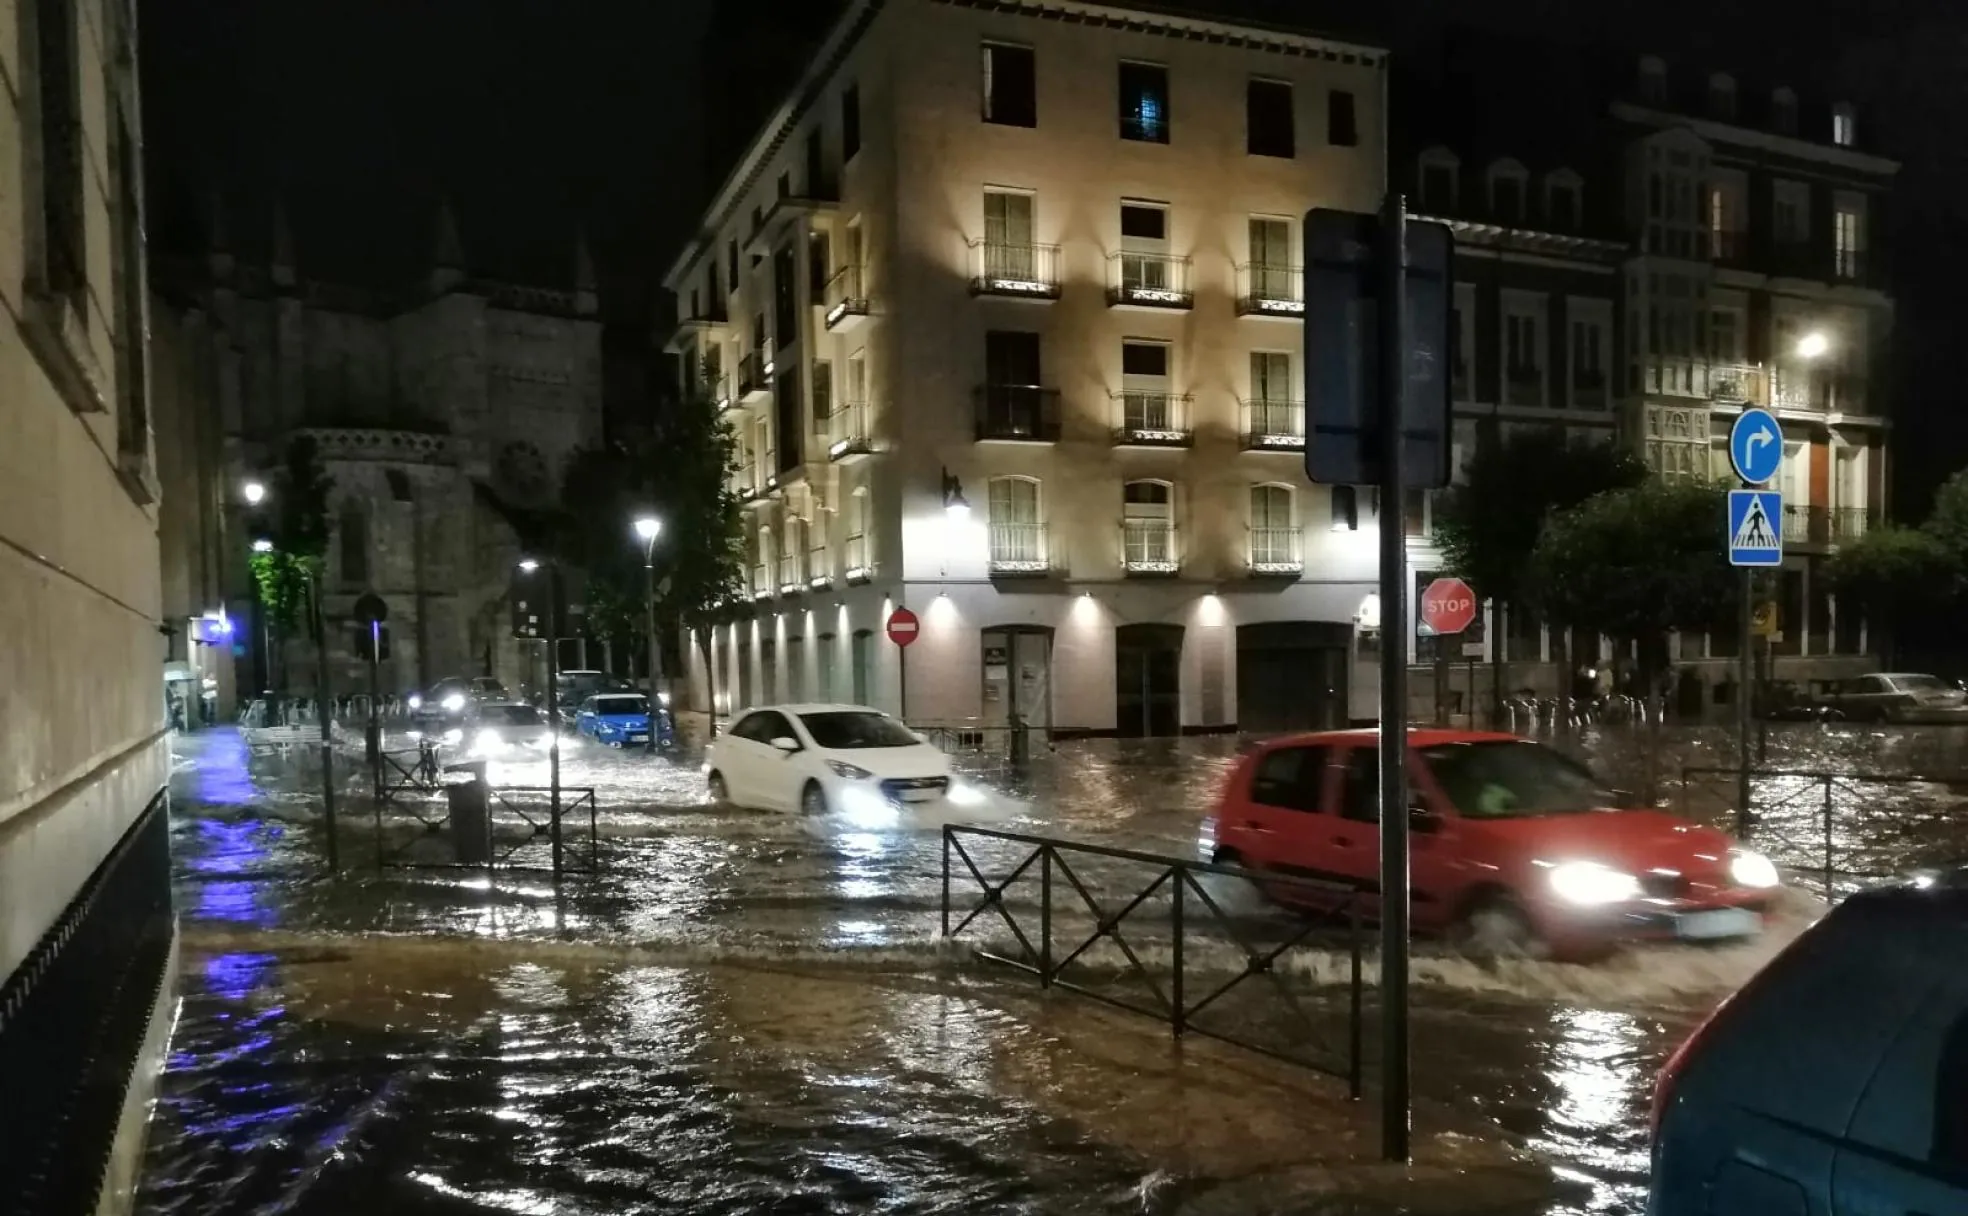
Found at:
<point>324,704</point>
<point>655,659</point>
<point>1744,639</point>
<point>1394,1126</point>
<point>1827,837</point>
<point>902,671</point>
<point>375,731</point>
<point>553,707</point>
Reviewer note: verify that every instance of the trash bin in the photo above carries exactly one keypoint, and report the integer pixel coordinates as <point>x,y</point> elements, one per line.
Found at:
<point>468,802</point>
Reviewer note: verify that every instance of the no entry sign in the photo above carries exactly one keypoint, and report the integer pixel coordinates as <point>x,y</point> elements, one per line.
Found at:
<point>903,627</point>
<point>1447,606</point>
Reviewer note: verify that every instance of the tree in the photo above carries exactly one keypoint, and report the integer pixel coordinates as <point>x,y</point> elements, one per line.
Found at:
<point>1637,564</point>
<point>1892,569</point>
<point>295,525</point>
<point>1947,522</point>
<point>1488,524</point>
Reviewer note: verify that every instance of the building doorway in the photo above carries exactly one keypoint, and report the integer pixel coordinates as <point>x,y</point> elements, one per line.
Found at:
<point>1291,675</point>
<point>1018,676</point>
<point>1148,681</point>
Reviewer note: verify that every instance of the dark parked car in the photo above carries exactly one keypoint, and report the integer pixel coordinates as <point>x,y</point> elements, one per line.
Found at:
<point>1836,1081</point>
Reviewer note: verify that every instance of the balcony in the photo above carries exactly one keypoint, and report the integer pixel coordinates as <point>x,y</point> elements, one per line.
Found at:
<point>1796,392</point>
<point>1800,260</point>
<point>1148,547</point>
<point>1148,280</point>
<point>1850,523</point>
<point>761,582</point>
<point>720,393</point>
<point>1589,390</point>
<point>692,331</point>
<point>855,553</point>
<point>846,306</point>
<point>1020,550</point>
<point>792,574</point>
<point>819,570</point>
<point>820,197</point>
<point>1153,419</point>
<point>1274,553</point>
<point>1524,386</point>
<point>1806,526</point>
<point>754,381</point>
<point>1024,413</point>
<point>847,432</point>
<point>1851,266</point>
<point>1270,291</point>
<point>1274,426</point>
<point>1015,271</point>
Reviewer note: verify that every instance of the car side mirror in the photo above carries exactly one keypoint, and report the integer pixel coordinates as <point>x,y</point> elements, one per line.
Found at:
<point>787,744</point>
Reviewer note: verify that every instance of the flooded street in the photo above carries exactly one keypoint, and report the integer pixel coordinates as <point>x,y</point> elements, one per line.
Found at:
<point>744,1012</point>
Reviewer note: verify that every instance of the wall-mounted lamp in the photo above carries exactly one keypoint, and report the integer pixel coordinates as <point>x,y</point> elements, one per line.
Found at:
<point>955,505</point>
<point>254,492</point>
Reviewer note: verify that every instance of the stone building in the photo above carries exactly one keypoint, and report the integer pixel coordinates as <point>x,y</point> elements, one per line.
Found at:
<point>87,938</point>
<point>434,408</point>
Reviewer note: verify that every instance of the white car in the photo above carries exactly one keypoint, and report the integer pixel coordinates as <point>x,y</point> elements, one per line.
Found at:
<point>823,759</point>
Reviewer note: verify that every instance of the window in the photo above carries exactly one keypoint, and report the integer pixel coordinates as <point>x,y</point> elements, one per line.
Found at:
<point>1792,212</point>
<point>732,252</point>
<point>1011,357</point>
<point>1144,248</point>
<point>1843,125</point>
<point>1359,792</point>
<point>1268,128</point>
<point>353,542</point>
<point>65,263</point>
<point>1145,401</point>
<point>1561,202</point>
<point>133,401</point>
<point>1342,125</point>
<point>850,122</point>
<point>823,388</point>
<point>1292,778</point>
<point>1148,525</point>
<point>1271,259</point>
<point>1274,409</point>
<point>1725,335</point>
<point>785,311</point>
<point>1008,249</point>
<point>1149,359</point>
<point>1722,96</point>
<point>1144,103</point>
<point>1653,80</point>
<point>1437,182</point>
<point>1017,527</point>
<point>1589,360</point>
<point>1520,359</point>
<point>1011,93</point>
<point>1507,191</point>
<point>1783,111</point>
<point>1273,530</point>
<point>819,264</point>
<point>1848,235</point>
<point>785,185</point>
<point>1728,192</point>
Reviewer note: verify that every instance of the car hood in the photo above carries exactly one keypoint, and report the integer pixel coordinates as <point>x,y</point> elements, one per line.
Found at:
<point>1636,841</point>
<point>623,719</point>
<point>917,760</point>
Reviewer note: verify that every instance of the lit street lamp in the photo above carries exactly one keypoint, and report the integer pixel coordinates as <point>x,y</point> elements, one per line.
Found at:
<point>648,528</point>
<point>955,505</point>
<point>1813,345</point>
<point>254,492</point>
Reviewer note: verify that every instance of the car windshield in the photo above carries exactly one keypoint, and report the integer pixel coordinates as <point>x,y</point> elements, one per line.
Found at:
<point>613,706</point>
<point>1513,779</point>
<point>488,686</point>
<point>1919,684</point>
<point>849,730</point>
<point>509,715</point>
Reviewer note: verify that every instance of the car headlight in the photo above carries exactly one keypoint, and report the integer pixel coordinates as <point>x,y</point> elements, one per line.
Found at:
<point>486,740</point>
<point>454,737</point>
<point>853,772</point>
<point>1589,883</point>
<point>966,795</point>
<point>1753,869</point>
<point>416,702</point>
<point>454,702</point>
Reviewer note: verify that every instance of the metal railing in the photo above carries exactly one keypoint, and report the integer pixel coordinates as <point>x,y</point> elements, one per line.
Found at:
<point>1017,411</point>
<point>1156,897</point>
<point>408,772</point>
<point>752,380</point>
<point>847,430</point>
<point>854,554</point>
<point>1159,280</point>
<point>1154,417</point>
<point>1835,830</point>
<point>1148,546</point>
<point>843,296</point>
<point>517,817</point>
<point>1804,524</point>
<point>1020,548</point>
<point>1850,523</point>
<point>1269,423</point>
<point>1267,289</point>
<point>1014,268</point>
<point>1275,551</point>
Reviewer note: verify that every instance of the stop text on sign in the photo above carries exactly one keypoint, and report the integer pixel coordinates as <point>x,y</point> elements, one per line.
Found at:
<point>1448,606</point>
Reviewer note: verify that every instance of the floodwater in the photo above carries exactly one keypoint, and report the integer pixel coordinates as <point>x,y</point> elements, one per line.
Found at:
<point>741,1012</point>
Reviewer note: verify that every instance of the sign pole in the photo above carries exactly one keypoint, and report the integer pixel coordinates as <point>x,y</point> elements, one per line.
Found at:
<point>1745,639</point>
<point>324,703</point>
<point>1754,537</point>
<point>1394,1123</point>
<point>553,708</point>
<point>375,731</point>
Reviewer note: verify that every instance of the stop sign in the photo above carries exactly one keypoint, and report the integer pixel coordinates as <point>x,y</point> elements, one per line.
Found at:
<point>903,627</point>
<point>1448,606</point>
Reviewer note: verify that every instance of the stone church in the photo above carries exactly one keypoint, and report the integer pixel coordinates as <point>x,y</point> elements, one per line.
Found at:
<point>433,406</point>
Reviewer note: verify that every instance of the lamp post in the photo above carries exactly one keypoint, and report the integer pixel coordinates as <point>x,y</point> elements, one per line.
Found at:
<point>531,566</point>
<point>648,528</point>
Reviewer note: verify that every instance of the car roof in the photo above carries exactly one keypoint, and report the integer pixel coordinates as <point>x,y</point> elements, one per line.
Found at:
<point>818,707</point>
<point>1907,675</point>
<point>1421,736</point>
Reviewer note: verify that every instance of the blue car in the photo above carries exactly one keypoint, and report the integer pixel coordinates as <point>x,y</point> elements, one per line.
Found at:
<point>622,719</point>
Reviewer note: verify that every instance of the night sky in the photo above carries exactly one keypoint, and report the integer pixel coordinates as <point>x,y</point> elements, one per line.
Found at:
<point>618,118</point>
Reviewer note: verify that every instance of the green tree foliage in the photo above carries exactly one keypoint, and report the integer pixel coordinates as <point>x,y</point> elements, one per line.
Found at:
<point>295,519</point>
<point>1947,523</point>
<point>1636,564</point>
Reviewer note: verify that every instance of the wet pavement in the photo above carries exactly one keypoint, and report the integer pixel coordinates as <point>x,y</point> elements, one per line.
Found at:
<point>743,1012</point>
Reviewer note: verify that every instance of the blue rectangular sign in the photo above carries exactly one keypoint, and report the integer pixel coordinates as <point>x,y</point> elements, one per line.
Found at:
<point>1755,533</point>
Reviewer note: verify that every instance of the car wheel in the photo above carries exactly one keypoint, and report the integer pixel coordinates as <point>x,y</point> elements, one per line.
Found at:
<point>719,795</point>
<point>1497,927</point>
<point>813,799</point>
<point>1234,896</point>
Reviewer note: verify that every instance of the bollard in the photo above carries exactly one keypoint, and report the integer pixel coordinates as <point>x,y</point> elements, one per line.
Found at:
<point>468,803</point>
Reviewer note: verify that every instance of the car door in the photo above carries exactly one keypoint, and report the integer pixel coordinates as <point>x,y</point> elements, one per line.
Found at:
<point>1906,1150</point>
<point>738,756</point>
<point>1283,824</point>
<point>779,774</point>
<point>1354,848</point>
<point>584,718</point>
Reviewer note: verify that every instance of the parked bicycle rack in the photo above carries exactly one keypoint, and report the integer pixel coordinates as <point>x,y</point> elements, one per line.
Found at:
<point>1178,878</point>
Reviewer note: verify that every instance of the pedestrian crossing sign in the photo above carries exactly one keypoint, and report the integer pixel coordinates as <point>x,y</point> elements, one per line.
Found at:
<point>1755,528</point>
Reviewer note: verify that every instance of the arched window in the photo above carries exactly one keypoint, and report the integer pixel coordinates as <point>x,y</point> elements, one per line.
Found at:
<point>1148,526</point>
<point>1653,79</point>
<point>1783,110</point>
<point>1564,200</point>
<point>1273,529</point>
<point>1437,181</point>
<point>1722,96</point>
<point>1506,184</point>
<point>1017,523</point>
<point>1844,124</point>
<point>353,538</point>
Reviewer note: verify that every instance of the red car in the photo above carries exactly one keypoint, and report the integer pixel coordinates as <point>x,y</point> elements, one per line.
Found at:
<point>1515,847</point>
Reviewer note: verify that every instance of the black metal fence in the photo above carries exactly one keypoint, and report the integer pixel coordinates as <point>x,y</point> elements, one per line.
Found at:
<point>1184,959</point>
<point>1837,830</point>
<point>521,827</point>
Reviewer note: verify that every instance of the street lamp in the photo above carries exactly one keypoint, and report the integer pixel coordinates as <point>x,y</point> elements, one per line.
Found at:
<point>955,505</point>
<point>254,492</point>
<point>1813,345</point>
<point>527,565</point>
<point>648,527</point>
